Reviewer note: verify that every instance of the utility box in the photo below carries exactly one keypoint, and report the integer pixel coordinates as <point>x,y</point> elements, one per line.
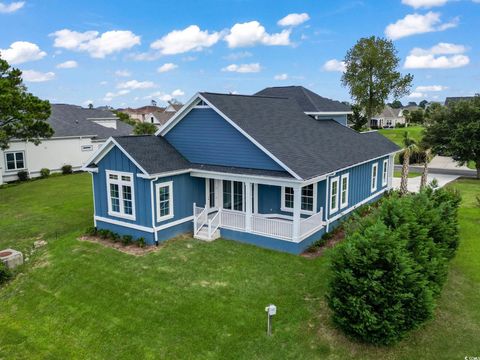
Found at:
<point>11,258</point>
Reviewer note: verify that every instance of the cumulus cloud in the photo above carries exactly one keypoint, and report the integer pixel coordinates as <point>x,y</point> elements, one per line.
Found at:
<point>22,51</point>
<point>281,77</point>
<point>162,96</point>
<point>135,84</point>
<point>243,68</point>
<point>239,55</point>
<point>96,44</point>
<point>440,56</point>
<point>418,24</point>
<point>424,3</point>
<point>167,67</point>
<point>12,7</point>
<point>69,64</point>
<point>37,76</point>
<point>253,33</point>
<point>110,95</point>
<point>123,73</point>
<point>431,88</point>
<point>188,39</point>
<point>293,19</point>
<point>177,93</point>
<point>334,65</point>
<point>416,94</point>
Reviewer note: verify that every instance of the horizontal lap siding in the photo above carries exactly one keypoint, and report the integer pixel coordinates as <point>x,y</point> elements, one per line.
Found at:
<point>204,137</point>
<point>116,160</point>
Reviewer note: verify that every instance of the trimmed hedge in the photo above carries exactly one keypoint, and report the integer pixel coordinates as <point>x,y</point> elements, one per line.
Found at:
<point>44,173</point>
<point>393,264</point>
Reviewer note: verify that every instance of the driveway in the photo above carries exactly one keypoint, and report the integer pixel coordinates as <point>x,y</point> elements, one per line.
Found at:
<point>413,184</point>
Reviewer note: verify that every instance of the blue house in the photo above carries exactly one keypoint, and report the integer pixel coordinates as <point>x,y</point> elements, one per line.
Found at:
<point>276,169</point>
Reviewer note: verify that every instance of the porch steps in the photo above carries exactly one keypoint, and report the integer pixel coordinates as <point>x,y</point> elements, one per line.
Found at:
<point>203,234</point>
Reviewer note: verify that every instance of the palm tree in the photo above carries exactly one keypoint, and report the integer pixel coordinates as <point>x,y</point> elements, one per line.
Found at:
<point>410,146</point>
<point>427,157</point>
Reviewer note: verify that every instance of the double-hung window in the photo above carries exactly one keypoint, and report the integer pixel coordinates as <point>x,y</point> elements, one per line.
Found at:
<point>164,193</point>
<point>334,194</point>
<point>15,160</point>
<point>233,195</point>
<point>344,191</point>
<point>308,199</point>
<point>385,172</point>
<point>121,198</point>
<point>373,181</point>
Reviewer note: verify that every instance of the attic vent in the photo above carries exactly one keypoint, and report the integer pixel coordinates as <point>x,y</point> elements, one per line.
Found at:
<point>202,104</point>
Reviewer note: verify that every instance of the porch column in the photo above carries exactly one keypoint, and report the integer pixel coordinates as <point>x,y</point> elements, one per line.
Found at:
<point>248,205</point>
<point>207,193</point>
<point>297,200</point>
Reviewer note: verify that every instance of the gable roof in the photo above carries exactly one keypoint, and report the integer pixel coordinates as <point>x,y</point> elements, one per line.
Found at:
<point>389,112</point>
<point>73,120</point>
<point>306,99</point>
<point>307,146</point>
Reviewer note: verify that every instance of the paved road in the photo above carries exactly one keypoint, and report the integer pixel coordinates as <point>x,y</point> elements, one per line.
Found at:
<point>413,184</point>
<point>458,172</point>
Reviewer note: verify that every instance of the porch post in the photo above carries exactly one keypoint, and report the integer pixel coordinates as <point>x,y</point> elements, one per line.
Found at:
<point>297,199</point>
<point>248,205</point>
<point>207,193</point>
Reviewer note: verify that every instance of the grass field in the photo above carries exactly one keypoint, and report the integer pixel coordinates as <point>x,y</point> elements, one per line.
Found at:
<point>396,134</point>
<point>411,174</point>
<point>190,299</point>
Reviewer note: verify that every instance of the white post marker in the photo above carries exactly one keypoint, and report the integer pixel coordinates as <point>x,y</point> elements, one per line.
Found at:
<point>271,310</point>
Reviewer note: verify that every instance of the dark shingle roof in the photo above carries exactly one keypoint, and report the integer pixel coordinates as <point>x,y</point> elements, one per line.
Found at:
<point>307,146</point>
<point>454,99</point>
<point>306,99</point>
<point>73,120</point>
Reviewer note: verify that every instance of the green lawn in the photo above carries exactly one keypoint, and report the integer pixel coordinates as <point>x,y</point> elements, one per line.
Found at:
<point>411,174</point>
<point>193,299</point>
<point>396,134</point>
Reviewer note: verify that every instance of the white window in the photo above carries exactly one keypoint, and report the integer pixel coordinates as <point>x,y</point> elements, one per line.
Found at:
<point>87,147</point>
<point>121,194</point>
<point>344,191</point>
<point>15,160</point>
<point>373,184</point>
<point>232,195</point>
<point>308,202</point>
<point>385,172</point>
<point>334,194</point>
<point>164,200</point>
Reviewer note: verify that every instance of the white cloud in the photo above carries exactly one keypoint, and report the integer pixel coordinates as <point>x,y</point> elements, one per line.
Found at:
<point>110,95</point>
<point>440,56</point>
<point>69,64</point>
<point>135,84</point>
<point>418,24</point>
<point>123,73</point>
<point>424,3</point>
<point>12,7</point>
<point>416,94</point>
<point>281,77</point>
<point>22,51</point>
<point>431,88</point>
<point>334,65</point>
<point>178,93</point>
<point>293,19</point>
<point>188,39</point>
<point>167,67</point>
<point>239,55</point>
<point>98,46</point>
<point>162,96</point>
<point>37,76</point>
<point>103,83</point>
<point>243,68</point>
<point>87,102</point>
<point>253,33</point>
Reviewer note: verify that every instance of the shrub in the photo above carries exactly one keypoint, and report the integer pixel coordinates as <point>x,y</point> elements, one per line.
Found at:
<point>5,273</point>
<point>67,169</point>
<point>91,231</point>
<point>23,175</point>
<point>377,292</point>
<point>127,239</point>
<point>115,237</point>
<point>141,242</point>
<point>398,125</point>
<point>44,173</point>
<point>104,233</point>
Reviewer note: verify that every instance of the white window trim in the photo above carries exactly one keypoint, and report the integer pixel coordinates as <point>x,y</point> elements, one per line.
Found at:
<point>170,200</point>
<point>344,204</point>
<point>120,182</point>
<point>373,185</point>
<point>385,172</point>
<point>306,212</point>
<point>16,169</point>
<point>336,179</point>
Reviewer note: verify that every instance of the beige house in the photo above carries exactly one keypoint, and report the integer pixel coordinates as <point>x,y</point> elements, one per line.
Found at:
<point>388,118</point>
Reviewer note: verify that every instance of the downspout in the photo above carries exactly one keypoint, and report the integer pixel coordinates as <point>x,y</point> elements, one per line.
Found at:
<point>327,202</point>
<point>153,209</point>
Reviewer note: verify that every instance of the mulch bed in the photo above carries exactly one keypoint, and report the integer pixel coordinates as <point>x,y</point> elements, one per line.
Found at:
<point>317,251</point>
<point>131,249</point>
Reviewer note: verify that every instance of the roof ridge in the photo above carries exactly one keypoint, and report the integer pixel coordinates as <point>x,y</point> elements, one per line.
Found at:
<point>244,95</point>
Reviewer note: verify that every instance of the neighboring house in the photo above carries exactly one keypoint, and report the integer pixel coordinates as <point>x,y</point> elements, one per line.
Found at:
<point>450,100</point>
<point>152,114</point>
<point>255,169</point>
<point>388,118</point>
<point>78,133</point>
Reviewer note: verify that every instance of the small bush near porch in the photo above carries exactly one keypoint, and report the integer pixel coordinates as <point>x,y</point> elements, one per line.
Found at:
<point>190,299</point>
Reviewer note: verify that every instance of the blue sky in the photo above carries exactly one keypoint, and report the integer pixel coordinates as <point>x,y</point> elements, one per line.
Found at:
<point>124,53</point>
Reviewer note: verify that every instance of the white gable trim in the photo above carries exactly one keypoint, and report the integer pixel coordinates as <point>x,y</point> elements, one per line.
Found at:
<point>105,149</point>
<point>186,109</point>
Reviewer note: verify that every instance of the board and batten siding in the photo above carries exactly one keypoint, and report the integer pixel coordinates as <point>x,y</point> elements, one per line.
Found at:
<point>204,137</point>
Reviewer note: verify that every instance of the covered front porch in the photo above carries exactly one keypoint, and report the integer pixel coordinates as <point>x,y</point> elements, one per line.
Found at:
<point>272,208</point>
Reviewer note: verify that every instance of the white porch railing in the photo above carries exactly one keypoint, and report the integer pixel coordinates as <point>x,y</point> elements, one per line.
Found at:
<point>260,224</point>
